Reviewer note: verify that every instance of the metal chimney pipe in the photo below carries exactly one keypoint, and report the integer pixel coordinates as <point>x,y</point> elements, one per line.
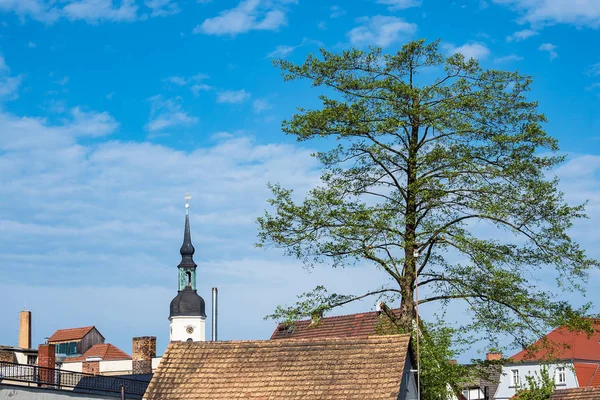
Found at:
<point>214,314</point>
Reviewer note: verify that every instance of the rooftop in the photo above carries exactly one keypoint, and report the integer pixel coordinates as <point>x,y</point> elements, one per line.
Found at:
<point>103,351</point>
<point>563,344</point>
<point>62,335</point>
<point>307,369</point>
<point>576,394</point>
<point>352,325</point>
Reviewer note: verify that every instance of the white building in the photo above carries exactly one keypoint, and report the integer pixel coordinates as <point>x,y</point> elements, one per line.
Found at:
<point>572,359</point>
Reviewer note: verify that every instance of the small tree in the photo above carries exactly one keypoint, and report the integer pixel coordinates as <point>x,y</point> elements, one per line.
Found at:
<point>539,386</point>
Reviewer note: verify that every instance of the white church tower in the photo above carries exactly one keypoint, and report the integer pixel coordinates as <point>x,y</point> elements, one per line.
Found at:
<point>187,314</point>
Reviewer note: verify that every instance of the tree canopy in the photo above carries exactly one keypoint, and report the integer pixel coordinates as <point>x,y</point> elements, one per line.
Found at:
<point>436,171</point>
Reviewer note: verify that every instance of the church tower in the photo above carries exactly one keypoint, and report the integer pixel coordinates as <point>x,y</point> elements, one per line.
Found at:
<point>187,314</point>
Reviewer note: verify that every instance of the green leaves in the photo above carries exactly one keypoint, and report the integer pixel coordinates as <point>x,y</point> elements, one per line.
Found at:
<point>439,172</point>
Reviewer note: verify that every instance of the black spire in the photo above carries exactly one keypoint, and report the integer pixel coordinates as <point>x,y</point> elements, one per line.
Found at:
<point>187,249</point>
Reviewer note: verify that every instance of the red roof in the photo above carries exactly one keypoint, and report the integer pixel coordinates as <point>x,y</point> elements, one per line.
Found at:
<point>105,351</point>
<point>587,374</point>
<point>62,335</point>
<point>353,325</point>
<point>563,344</point>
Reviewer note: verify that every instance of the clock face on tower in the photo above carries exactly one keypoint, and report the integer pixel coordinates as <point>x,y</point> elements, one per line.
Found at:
<point>189,329</point>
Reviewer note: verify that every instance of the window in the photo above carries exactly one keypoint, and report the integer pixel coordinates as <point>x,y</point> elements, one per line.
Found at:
<point>515,378</point>
<point>31,359</point>
<point>560,376</point>
<point>62,348</point>
<point>73,348</point>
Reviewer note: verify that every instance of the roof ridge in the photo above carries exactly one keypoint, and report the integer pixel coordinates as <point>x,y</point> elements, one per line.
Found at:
<point>338,316</point>
<point>78,327</point>
<point>311,339</point>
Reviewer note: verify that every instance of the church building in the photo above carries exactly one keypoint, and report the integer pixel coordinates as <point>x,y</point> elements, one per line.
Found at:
<point>187,311</point>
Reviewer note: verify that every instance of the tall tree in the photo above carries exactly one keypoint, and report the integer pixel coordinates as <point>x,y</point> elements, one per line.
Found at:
<point>442,173</point>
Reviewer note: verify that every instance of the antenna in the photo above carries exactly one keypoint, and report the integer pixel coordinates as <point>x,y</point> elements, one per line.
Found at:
<point>416,255</point>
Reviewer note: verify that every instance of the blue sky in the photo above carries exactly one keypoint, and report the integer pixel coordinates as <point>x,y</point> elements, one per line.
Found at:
<point>111,110</point>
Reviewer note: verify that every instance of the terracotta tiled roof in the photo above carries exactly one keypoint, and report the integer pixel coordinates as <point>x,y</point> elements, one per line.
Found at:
<point>587,374</point>
<point>576,394</point>
<point>307,369</point>
<point>563,344</point>
<point>69,334</point>
<point>105,351</point>
<point>352,325</point>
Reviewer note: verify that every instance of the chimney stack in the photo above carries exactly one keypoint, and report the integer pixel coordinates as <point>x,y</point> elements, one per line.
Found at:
<point>25,330</point>
<point>144,350</point>
<point>47,360</point>
<point>493,356</point>
<point>214,314</point>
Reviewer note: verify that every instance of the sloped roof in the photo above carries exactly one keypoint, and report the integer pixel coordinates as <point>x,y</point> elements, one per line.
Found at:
<point>70,334</point>
<point>587,374</point>
<point>563,344</point>
<point>307,369</point>
<point>105,351</point>
<point>352,325</point>
<point>576,394</point>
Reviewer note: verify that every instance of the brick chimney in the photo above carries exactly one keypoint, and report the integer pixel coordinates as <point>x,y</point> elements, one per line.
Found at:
<point>25,330</point>
<point>90,367</point>
<point>144,350</point>
<point>7,356</point>
<point>47,359</point>
<point>493,356</point>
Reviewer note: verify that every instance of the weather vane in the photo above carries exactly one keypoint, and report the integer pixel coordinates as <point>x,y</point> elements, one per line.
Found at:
<point>187,202</point>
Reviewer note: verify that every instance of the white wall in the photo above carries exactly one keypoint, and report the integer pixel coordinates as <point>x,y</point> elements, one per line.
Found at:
<point>179,327</point>
<point>110,367</point>
<point>506,390</point>
<point>27,393</point>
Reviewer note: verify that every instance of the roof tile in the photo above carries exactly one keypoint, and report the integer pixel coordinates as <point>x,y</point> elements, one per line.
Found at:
<point>307,369</point>
<point>352,325</point>
<point>563,344</point>
<point>70,334</point>
<point>576,394</point>
<point>105,351</point>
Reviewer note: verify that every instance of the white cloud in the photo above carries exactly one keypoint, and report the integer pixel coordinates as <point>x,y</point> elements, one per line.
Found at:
<point>261,105</point>
<point>94,11</point>
<point>31,45</point>
<point>594,70</point>
<point>63,81</point>
<point>549,12</point>
<point>380,31</point>
<point>247,16</point>
<point>161,8</point>
<point>91,123</point>
<point>166,114</point>
<point>509,58</point>
<point>91,11</point>
<point>200,87</point>
<point>232,96</point>
<point>400,4</point>
<point>521,35</point>
<point>336,11</point>
<point>282,51</point>
<point>177,80</point>
<point>475,50</point>
<point>193,82</point>
<point>9,85</point>
<point>549,48</point>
